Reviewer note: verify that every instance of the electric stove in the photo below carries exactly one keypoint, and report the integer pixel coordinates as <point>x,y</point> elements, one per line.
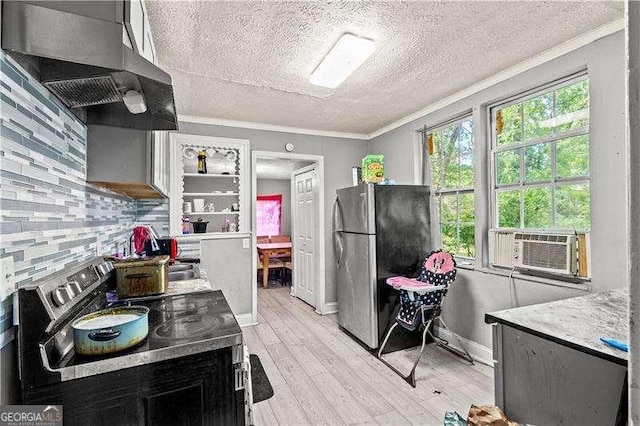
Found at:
<point>195,333</point>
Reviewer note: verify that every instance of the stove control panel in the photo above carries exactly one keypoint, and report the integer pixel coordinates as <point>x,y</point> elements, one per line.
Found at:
<point>61,295</point>
<point>75,287</point>
<point>62,291</point>
<point>83,278</point>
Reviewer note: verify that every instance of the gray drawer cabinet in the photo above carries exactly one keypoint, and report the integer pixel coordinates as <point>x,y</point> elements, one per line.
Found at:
<point>550,366</point>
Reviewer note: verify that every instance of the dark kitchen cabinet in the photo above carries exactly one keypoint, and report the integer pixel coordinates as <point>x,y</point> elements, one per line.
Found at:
<point>193,390</point>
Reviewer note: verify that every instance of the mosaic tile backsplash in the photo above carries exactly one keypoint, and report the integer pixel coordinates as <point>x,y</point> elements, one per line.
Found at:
<point>49,216</point>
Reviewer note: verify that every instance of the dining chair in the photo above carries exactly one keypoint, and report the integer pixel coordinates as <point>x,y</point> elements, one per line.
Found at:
<point>275,265</point>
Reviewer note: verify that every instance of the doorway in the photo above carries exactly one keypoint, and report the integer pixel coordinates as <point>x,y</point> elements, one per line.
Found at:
<point>301,220</point>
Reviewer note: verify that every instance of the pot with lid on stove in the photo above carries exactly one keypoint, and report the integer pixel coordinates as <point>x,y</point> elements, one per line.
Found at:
<point>142,277</point>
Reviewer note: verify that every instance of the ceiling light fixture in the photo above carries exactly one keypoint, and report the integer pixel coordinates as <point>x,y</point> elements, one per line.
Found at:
<point>344,58</point>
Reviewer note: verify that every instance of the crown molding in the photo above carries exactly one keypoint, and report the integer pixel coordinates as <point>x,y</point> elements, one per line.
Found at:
<point>269,127</point>
<point>546,56</point>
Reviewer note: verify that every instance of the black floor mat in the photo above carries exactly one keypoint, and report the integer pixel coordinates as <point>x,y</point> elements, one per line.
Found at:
<point>260,384</point>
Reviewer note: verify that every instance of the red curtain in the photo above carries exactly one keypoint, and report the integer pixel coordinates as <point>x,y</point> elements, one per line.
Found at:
<point>269,215</point>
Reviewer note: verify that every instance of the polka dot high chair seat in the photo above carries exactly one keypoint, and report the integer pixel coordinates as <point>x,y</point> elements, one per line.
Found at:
<point>421,298</point>
<point>421,302</point>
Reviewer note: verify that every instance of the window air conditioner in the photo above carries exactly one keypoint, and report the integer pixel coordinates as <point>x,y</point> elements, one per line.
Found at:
<point>501,248</point>
<point>547,252</point>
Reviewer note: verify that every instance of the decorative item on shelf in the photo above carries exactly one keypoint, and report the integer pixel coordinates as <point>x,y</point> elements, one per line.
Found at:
<point>202,162</point>
<point>199,226</point>
<point>198,205</point>
<point>225,224</point>
<point>235,207</point>
<point>185,225</point>
<point>226,210</point>
<point>233,227</point>
<point>186,207</point>
<point>209,207</point>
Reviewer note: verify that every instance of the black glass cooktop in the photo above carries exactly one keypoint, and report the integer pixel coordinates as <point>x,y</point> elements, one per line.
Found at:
<point>175,322</point>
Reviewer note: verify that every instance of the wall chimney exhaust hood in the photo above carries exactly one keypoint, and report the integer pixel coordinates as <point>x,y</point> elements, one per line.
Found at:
<point>84,62</point>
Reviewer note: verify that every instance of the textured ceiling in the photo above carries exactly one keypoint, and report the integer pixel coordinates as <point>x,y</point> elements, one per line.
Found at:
<point>278,168</point>
<point>251,61</point>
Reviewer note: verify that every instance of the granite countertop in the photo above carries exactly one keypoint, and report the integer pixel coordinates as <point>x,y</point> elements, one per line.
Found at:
<point>578,322</point>
<point>189,286</point>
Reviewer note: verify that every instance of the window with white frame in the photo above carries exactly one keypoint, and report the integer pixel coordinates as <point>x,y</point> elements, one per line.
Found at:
<point>540,159</point>
<point>450,149</point>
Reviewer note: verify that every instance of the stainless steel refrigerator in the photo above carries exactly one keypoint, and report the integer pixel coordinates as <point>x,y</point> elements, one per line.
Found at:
<point>378,232</point>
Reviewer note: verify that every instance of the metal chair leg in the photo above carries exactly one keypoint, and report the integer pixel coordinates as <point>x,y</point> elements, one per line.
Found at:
<point>411,377</point>
<point>384,342</point>
<point>445,344</point>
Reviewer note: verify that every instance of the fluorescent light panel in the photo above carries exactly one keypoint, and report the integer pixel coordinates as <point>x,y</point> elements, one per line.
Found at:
<point>343,59</point>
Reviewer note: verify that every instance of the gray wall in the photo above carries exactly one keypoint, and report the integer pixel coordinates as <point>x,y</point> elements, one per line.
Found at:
<point>274,187</point>
<point>634,210</point>
<point>339,156</point>
<point>477,292</point>
<point>228,266</point>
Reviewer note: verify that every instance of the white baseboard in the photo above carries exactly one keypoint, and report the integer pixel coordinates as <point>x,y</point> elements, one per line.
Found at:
<point>245,320</point>
<point>328,308</point>
<point>479,353</point>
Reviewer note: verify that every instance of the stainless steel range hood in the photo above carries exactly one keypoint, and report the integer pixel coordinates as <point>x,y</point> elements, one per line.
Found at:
<point>83,61</point>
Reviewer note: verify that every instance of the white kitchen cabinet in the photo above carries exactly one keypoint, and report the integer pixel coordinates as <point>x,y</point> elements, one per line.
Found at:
<point>160,160</point>
<point>137,25</point>
<point>224,188</point>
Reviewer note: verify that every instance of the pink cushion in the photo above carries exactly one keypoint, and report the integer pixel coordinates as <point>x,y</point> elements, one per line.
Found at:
<point>410,284</point>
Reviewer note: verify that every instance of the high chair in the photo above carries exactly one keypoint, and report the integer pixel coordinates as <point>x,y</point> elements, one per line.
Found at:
<point>421,303</point>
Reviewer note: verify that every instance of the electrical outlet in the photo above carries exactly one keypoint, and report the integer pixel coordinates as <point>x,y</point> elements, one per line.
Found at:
<point>7,278</point>
<point>245,243</point>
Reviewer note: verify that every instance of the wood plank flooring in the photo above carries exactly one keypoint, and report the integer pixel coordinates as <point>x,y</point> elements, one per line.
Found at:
<point>321,376</point>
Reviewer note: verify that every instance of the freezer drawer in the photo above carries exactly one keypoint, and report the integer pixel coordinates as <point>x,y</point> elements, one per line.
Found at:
<point>356,281</point>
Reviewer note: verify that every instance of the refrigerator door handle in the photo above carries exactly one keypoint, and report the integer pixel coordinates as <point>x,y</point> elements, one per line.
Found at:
<point>337,247</point>
<point>336,232</point>
<point>337,210</point>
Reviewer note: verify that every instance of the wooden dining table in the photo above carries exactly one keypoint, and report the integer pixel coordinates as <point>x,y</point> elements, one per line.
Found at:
<point>266,250</point>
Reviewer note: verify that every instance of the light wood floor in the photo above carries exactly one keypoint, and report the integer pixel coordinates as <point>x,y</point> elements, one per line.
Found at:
<point>321,376</point>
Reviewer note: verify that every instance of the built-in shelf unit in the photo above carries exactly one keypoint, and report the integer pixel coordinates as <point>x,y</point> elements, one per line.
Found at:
<point>224,188</point>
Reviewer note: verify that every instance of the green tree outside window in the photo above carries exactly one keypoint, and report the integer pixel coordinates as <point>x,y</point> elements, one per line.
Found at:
<point>452,180</point>
<point>541,159</point>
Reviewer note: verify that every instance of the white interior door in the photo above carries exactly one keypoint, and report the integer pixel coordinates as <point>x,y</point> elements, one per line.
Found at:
<point>305,226</point>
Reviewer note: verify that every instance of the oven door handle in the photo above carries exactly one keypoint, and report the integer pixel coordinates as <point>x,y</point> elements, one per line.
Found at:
<point>104,335</point>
